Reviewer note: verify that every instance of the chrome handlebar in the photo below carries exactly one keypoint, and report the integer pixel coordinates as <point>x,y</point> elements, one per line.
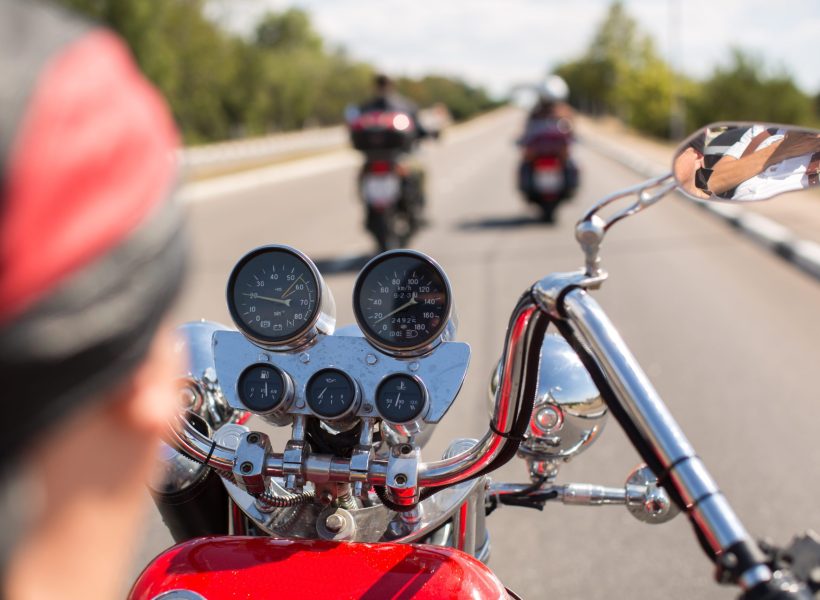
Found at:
<point>683,472</point>
<point>561,298</point>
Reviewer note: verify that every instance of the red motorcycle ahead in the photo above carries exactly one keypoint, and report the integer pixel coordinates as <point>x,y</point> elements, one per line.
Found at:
<point>547,174</point>
<point>390,185</point>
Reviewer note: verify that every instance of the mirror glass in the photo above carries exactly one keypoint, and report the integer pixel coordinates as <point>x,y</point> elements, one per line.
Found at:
<point>744,162</point>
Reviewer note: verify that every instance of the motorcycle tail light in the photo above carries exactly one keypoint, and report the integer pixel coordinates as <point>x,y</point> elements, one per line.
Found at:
<point>380,166</point>
<point>547,163</point>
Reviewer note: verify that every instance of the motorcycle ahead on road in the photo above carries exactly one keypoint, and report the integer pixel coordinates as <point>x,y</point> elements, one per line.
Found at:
<point>390,185</point>
<point>547,175</point>
<point>347,507</point>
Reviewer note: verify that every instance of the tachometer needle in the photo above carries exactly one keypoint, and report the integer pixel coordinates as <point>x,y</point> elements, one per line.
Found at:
<point>399,309</point>
<point>287,291</point>
<point>268,298</point>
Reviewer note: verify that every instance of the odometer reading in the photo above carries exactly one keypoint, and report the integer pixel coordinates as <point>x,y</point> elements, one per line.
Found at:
<point>402,300</point>
<point>272,295</point>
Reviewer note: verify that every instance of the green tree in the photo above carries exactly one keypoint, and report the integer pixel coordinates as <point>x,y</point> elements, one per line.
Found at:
<point>220,86</point>
<point>622,73</point>
<point>287,31</point>
<point>742,90</point>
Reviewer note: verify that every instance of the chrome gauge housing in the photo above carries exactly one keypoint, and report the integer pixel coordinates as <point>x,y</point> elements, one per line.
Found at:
<point>569,412</point>
<point>278,299</point>
<point>403,303</point>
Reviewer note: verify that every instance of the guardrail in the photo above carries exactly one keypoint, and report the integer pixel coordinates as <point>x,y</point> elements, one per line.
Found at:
<point>222,158</point>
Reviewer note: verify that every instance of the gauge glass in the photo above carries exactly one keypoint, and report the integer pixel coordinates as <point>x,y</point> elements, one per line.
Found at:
<point>400,399</point>
<point>273,295</point>
<point>261,388</point>
<point>330,393</point>
<point>402,300</point>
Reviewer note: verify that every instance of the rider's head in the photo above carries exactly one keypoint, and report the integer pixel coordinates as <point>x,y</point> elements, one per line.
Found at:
<point>382,83</point>
<point>553,89</point>
<point>688,164</point>
<point>90,258</point>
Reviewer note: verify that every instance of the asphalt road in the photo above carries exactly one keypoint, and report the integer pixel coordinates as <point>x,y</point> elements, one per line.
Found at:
<point>727,332</point>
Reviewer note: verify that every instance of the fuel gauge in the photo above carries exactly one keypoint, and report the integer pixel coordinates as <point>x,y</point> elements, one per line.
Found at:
<point>264,389</point>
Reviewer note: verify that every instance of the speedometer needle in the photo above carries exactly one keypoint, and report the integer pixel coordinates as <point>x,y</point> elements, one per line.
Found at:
<point>268,298</point>
<point>399,309</point>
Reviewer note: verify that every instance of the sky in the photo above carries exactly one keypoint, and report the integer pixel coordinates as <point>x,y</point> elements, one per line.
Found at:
<point>499,43</point>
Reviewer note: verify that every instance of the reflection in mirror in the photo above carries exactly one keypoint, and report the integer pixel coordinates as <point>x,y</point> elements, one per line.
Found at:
<point>747,161</point>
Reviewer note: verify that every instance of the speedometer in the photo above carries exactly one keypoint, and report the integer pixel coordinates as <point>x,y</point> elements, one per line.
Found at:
<point>275,295</point>
<point>402,301</point>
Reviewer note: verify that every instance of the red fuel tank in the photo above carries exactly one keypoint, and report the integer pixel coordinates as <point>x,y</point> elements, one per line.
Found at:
<point>219,568</point>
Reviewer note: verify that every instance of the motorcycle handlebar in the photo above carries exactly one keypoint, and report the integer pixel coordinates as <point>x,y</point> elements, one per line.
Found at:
<point>660,440</point>
<point>519,361</point>
<point>629,395</point>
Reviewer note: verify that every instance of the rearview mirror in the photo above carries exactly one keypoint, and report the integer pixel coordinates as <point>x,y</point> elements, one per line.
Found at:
<point>745,162</point>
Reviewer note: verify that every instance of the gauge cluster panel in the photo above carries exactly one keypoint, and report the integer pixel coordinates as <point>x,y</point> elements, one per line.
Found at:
<point>285,361</point>
<point>341,377</point>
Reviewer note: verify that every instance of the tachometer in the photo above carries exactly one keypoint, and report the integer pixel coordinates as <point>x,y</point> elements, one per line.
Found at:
<point>275,294</point>
<point>402,301</point>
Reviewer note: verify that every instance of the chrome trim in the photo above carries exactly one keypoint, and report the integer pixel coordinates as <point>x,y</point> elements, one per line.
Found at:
<point>184,437</point>
<point>518,349</point>
<point>443,372</point>
<point>350,411</point>
<point>565,388</point>
<point>641,495</point>
<point>249,465</point>
<point>646,500</point>
<point>413,426</point>
<point>296,451</point>
<point>592,228</point>
<point>713,516</point>
<point>323,321</point>
<point>694,481</point>
<point>179,595</point>
<point>447,329</point>
<point>278,414</point>
<point>403,474</point>
<point>194,344</point>
<point>755,576</point>
<point>548,290</point>
<point>628,381</point>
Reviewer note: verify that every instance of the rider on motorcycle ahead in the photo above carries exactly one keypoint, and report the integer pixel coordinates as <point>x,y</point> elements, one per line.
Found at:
<point>386,99</point>
<point>547,134</point>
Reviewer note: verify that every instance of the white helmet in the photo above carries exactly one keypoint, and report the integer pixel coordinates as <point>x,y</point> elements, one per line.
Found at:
<point>554,89</point>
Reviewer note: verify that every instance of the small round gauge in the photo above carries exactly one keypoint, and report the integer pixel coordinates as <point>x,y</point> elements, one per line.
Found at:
<point>262,388</point>
<point>402,300</point>
<point>400,399</point>
<point>331,394</point>
<point>273,294</point>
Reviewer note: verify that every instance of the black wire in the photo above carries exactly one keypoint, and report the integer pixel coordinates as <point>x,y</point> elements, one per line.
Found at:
<point>521,418</point>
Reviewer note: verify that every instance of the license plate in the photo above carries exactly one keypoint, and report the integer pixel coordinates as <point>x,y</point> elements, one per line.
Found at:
<point>548,180</point>
<point>381,189</point>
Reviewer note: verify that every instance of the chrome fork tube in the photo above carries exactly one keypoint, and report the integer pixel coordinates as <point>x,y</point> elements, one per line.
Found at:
<point>708,508</point>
